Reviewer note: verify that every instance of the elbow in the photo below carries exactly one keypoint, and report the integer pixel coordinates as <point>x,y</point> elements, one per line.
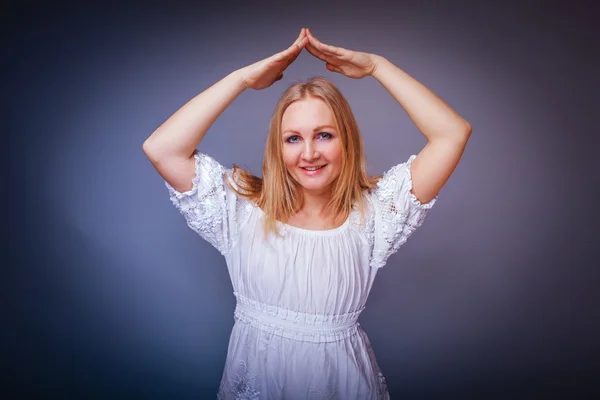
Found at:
<point>467,129</point>
<point>146,147</point>
<point>464,132</point>
<point>149,151</point>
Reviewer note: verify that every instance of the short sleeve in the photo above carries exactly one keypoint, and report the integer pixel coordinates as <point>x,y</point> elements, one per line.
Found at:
<point>211,208</point>
<point>397,212</point>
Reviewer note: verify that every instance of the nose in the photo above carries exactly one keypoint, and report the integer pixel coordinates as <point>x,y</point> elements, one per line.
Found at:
<point>309,153</point>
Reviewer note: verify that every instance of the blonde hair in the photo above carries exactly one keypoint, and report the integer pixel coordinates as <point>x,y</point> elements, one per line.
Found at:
<point>277,193</point>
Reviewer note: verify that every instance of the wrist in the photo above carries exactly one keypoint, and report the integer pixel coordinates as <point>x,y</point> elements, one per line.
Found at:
<point>378,62</point>
<point>239,77</point>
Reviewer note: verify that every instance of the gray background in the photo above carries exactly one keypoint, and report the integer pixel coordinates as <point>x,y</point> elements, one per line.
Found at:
<point>109,293</point>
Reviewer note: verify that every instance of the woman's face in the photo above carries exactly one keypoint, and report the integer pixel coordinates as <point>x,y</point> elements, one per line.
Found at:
<point>311,140</point>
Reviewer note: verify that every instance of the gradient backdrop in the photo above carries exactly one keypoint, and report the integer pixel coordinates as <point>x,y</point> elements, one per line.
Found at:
<point>108,293</point>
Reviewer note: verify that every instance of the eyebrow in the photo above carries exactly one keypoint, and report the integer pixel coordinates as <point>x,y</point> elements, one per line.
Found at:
<point>314,130</point>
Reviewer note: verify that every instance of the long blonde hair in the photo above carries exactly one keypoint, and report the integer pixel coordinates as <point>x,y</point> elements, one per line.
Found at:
<point>277,193</point>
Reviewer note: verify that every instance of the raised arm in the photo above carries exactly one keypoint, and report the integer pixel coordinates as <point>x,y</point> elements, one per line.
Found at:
<point>446,131</point>
<point>170,148</point>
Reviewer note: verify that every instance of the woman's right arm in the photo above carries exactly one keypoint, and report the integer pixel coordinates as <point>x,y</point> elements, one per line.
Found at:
<point>170,148</point>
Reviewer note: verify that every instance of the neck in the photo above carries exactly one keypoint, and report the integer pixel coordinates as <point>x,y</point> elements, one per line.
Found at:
<point>315,204</point>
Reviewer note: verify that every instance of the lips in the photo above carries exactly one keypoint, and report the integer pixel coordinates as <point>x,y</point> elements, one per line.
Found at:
<point>316,172</point>
<point>314,168</point>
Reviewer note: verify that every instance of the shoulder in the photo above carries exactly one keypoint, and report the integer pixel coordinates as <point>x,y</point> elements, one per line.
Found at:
<point>362,214</point>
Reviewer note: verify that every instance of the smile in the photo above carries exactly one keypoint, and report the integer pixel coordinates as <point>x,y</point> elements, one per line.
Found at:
<point>313,170</point>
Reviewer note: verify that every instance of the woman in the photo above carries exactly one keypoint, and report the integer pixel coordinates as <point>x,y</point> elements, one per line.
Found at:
<point>304,242</point>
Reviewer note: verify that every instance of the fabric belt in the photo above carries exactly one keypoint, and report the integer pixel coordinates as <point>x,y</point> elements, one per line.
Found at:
<point>296,325</point>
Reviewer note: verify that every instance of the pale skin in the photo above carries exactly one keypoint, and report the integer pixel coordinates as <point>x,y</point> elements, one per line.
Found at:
<point>310,139</point>
<point>171,146</point>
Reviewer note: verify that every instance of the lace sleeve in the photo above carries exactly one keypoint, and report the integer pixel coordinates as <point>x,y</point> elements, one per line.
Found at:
<point>210,207</point>
<point>398,212</point>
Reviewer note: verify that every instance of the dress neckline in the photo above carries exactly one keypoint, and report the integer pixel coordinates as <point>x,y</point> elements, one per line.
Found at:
<point>316,232</point>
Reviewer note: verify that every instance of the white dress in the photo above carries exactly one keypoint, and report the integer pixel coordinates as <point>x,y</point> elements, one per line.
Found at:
<point>298,298</point>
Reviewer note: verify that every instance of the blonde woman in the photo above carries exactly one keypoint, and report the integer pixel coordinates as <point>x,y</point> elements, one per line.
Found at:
<point>304,242</point>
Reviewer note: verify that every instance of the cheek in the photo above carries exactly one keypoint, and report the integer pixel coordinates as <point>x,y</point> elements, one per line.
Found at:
<point>289,157</point>
<point>333,154</point>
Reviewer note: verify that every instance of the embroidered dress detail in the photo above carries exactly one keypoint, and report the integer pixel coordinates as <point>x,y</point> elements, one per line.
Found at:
<point>210,207</point>
<point>398,212</point>
<point>241,387</point>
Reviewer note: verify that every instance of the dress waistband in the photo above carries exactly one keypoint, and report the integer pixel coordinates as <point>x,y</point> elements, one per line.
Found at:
<point>296,325</point>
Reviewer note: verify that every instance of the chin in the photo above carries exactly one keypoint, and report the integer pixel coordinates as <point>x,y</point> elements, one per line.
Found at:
<point>314,186</point>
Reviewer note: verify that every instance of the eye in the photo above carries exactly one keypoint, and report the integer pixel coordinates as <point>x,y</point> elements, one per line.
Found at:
<point>292,139</point>
<point>321,135</point>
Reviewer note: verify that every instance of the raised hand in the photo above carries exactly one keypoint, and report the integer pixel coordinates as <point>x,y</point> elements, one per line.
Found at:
<point>264,73</point>
<point>352,64</point>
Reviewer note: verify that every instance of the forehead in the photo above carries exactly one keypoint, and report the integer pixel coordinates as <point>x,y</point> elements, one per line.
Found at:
<point>306,114</point>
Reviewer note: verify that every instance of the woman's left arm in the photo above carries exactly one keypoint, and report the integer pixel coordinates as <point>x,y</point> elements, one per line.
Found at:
<point>446,131</point>
<point>433,117</point>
